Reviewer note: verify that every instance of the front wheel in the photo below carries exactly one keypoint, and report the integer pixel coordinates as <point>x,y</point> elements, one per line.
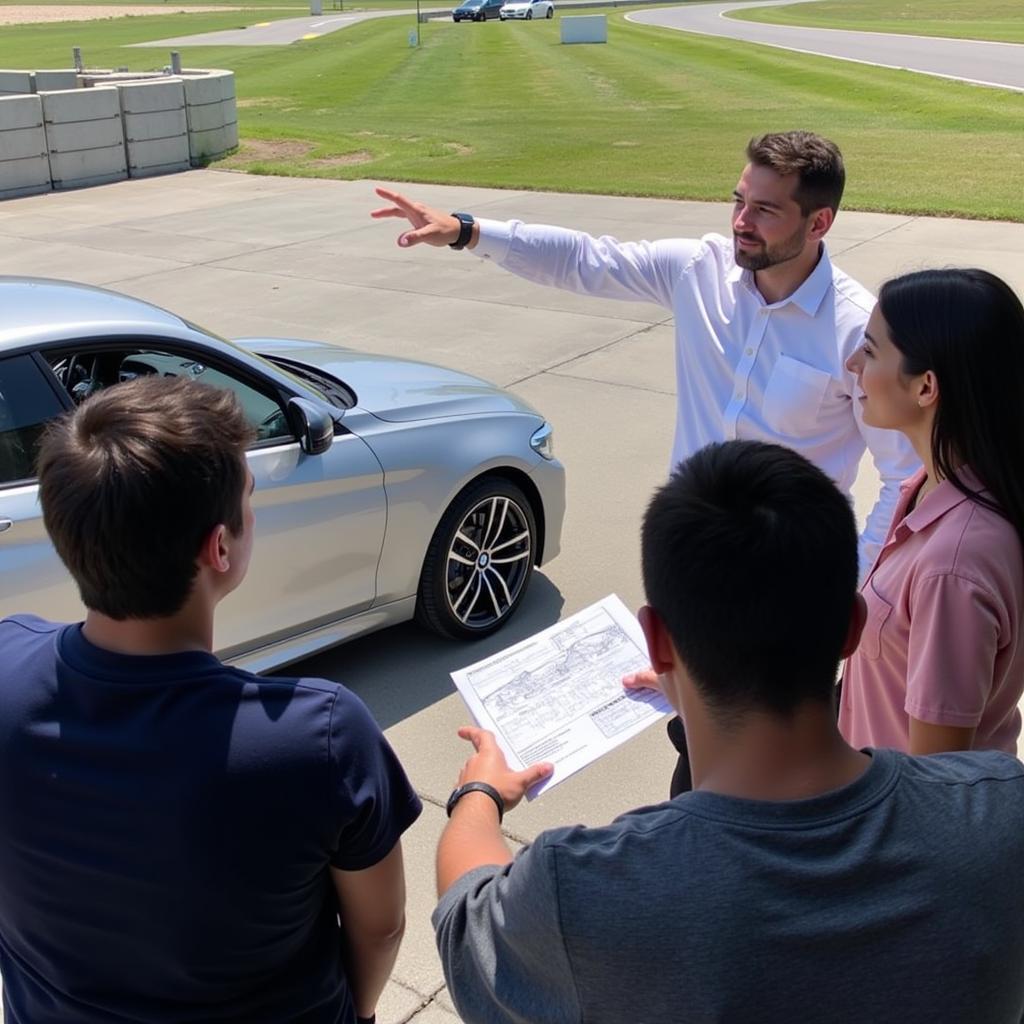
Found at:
<point>551,13</point>
<point>529,15</point>
<point>479,561</point>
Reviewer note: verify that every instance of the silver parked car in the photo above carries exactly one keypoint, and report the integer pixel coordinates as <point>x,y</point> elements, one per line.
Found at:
<point>385,488</point>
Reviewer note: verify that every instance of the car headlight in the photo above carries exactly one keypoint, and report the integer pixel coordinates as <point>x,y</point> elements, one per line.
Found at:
<point>542,441</point>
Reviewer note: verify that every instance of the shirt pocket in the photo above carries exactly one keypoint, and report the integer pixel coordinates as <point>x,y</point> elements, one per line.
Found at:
<point>879,611</point>
<point>793,396</point>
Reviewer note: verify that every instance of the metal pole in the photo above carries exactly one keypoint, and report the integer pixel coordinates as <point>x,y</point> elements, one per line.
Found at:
<point>175,62</point>
<point>77,53</point>
<point>418,30</point>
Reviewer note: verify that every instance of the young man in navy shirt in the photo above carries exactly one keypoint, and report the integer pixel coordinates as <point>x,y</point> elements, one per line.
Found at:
<point>180,840</point>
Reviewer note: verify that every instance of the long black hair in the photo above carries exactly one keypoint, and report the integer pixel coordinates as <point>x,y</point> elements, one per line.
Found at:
<point>967,327</point>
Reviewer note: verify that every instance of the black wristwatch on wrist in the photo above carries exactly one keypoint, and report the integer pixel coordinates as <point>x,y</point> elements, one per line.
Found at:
<point>466,222</point>
<point>476,787</point>
<point>367,1020</point>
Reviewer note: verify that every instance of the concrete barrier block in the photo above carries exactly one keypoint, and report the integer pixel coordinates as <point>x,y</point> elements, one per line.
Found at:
<point>70,137</point>
<point>210,144</point>
<point>230,109</point>
<point>158,156</point>
<point>584,28</point>
<point>163,124</point>
<point>88,167</point>
<point>17,112</point>
<point>53,80</point>
<point>206,117</point>
<point>22,144</point>
<point>16,83</point>
<point>146,97</point>
<point>199,91</point>
<point>75,105</point>
<point>231,135</point>
<point>24,177</point>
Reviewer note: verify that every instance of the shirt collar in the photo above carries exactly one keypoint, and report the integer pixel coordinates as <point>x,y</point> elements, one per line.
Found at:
<point>808,297</point>
<point>935,505</point>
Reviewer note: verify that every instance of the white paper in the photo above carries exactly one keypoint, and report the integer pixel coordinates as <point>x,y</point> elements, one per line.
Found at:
<point>558,696</point>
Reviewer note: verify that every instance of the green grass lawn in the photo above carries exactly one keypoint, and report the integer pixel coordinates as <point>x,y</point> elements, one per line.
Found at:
<point>1000,20</point>
<point>653,113</point>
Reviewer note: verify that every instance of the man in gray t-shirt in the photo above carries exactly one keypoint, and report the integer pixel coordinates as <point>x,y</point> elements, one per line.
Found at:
<point>802,880</point>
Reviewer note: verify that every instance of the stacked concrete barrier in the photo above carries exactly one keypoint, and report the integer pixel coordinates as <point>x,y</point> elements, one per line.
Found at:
<point>84,137</point>
<point>68,129</point>
<point>212,114</point>
<point>155,126</point>
<point>24,161</point>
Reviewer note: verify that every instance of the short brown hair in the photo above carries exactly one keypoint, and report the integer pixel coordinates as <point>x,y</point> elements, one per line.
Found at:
<point>816,160</point>
<point>133,481</point>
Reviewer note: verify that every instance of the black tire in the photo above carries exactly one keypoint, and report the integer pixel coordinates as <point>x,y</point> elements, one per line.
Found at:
<point>463,595</point>
<point>551,13</point>
<point>529,15</point>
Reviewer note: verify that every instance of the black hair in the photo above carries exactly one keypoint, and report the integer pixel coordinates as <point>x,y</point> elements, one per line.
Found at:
<point>750,559</point>
<point>967,327</point>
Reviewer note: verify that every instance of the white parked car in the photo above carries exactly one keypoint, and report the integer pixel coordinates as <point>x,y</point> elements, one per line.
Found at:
<point>527,9</point>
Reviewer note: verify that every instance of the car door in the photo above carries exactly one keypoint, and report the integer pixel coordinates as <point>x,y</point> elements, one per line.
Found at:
<point>319,518</point>
<point>32,577</point>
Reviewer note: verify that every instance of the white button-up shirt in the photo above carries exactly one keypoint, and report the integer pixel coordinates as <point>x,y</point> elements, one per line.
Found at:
<point>744,368</point>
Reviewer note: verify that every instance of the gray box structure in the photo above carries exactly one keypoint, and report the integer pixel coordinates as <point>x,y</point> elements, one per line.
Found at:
<point>84,136</point>
<point>155,126</point>
<point>24,161</point>
<point>584,28</point>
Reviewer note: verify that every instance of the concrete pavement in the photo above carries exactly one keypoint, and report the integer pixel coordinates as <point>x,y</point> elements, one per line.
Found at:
<point>984,63</point>
<point>287,256</point>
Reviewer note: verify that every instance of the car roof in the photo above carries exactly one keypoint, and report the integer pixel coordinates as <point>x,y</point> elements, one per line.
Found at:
<point>35,307</point>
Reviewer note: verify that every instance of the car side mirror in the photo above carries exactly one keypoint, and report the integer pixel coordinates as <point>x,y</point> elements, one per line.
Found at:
<point>311,424</point>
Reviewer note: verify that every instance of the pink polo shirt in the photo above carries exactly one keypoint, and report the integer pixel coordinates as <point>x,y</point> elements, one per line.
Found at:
<point>943,639</point>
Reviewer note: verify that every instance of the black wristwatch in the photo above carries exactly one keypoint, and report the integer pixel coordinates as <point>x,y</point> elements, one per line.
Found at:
<point>367,1020</point>
<point>466,222</point>
<point>476,787</point>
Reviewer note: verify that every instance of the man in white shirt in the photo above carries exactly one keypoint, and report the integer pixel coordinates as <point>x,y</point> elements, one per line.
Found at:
<point>764,322</point>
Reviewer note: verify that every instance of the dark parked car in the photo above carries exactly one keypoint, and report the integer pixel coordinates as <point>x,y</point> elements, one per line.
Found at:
<point>477,10</point>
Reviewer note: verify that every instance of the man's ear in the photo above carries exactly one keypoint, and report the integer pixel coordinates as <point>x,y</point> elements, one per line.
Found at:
<point>659,643</point>
<point>215,550</point>
<point>821,221</point>
<point>858,617</point>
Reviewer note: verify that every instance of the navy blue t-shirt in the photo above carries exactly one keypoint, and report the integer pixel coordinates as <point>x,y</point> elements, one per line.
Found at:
<point>167,825</point>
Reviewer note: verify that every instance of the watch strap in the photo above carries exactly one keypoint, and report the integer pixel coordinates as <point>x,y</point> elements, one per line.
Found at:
<point>466,222</point>
<point>476,787</point>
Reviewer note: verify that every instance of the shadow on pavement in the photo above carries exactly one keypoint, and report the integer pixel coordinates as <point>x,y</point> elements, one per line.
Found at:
<point>402,670</point>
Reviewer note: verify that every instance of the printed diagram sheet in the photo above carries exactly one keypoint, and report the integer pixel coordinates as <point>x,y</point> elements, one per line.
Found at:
<point>558,696</point>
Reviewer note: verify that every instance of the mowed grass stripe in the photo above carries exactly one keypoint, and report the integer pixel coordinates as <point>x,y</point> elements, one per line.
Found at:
<point>997,20</point>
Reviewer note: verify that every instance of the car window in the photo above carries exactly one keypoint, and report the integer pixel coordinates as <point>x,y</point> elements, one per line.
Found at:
<point>83,373</point>
<point>27,402</point>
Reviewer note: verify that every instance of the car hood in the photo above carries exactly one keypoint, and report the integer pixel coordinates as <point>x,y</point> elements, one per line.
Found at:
<point>396,390</point>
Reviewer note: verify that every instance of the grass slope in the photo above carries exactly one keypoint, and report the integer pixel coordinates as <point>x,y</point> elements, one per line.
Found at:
<point>999,20</point>
<point>652,113</point>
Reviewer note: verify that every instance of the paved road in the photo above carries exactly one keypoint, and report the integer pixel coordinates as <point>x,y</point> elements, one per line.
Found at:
<point>996,64</point>
<point>287,30</point>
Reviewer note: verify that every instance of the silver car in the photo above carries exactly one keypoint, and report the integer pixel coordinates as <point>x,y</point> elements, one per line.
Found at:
<point>385,488</point>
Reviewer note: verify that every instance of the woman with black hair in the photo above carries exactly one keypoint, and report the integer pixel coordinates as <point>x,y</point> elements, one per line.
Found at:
<point>940,665</point>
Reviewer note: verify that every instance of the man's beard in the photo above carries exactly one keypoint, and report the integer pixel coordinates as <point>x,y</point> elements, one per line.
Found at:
<point>770,255</point>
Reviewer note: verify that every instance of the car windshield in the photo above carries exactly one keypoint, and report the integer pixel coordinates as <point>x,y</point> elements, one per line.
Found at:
<point>303,381</point>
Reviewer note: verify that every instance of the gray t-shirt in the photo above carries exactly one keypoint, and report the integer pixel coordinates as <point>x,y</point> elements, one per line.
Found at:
<point>897,898</point>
